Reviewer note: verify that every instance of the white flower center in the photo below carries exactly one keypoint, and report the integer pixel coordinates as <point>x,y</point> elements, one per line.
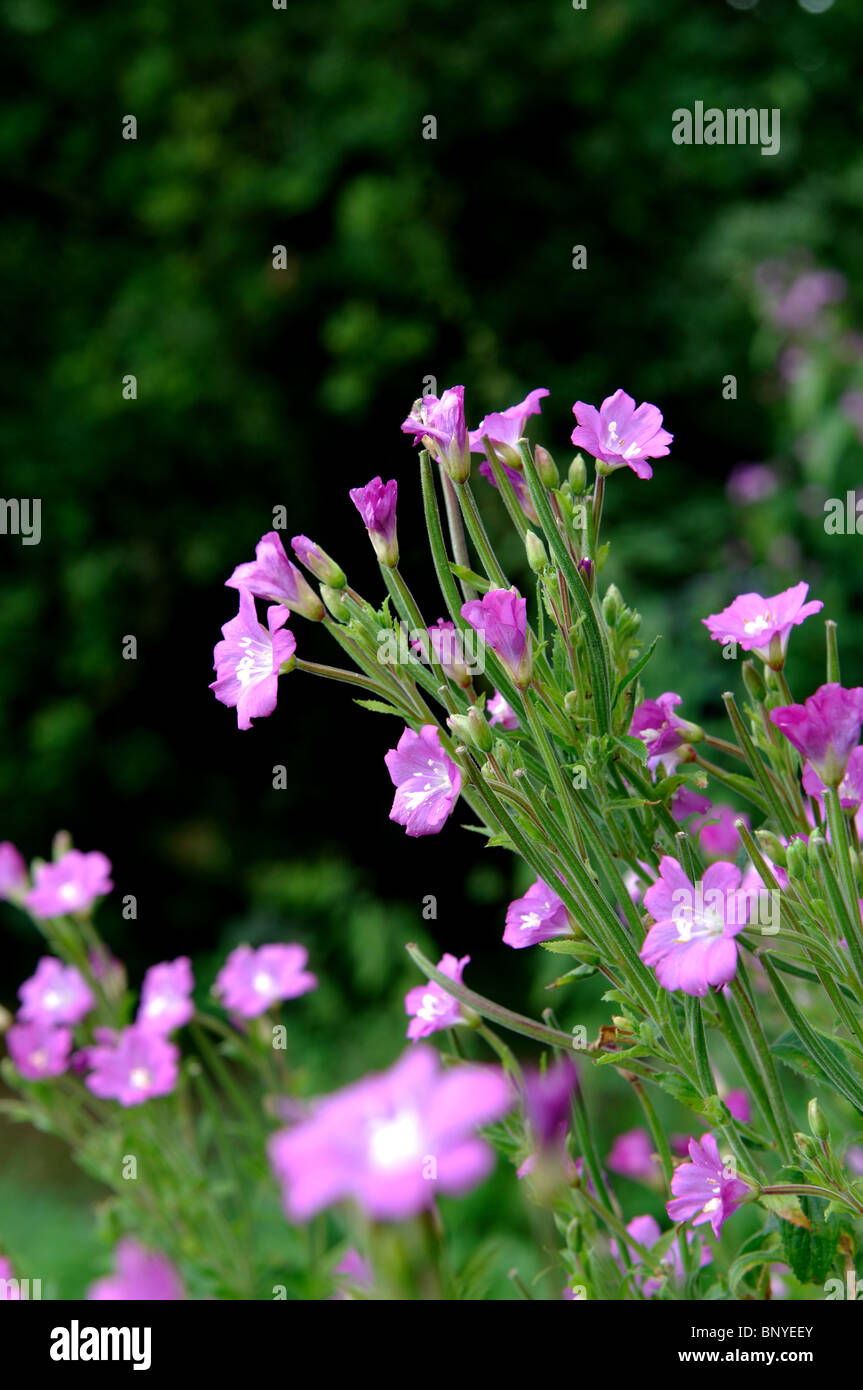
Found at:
<point>38,1060</point>
<point>53,998</point>
<point>140,1078</point>
<point>438,782</point>
<point>432,1007</point>
<point>257,662</point>
<point>753,627</point>
<point>263,983</point>
<point>68,892</point>
<point>394,1141</point>
<point>156,1006</point>
<point>530,920</point>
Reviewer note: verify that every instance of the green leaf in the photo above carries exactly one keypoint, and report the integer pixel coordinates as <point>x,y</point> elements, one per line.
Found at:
<point>634,672</point>
<point>379,707</point>
<point>745,1264</point>
<point>636,746</point>
<point>470,577</point>
<point>568,946</point>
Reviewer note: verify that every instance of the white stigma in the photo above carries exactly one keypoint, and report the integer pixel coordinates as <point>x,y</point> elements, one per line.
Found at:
<point>394,1141</point>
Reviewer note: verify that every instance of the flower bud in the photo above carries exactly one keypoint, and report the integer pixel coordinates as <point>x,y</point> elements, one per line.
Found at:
<point>817,1124</point>
<point>612,604</point>
<point>578,475</point>
<point>546,466</point>
<point>335,604</point>
<point>805,1145</point>
<point>813,850</point>
<point>472,728</point>
<point>321,565</point>
<point>754,681</point>
<point>570,703</point>
<point>772,846</point>
<point>796,859</point>
<point>536,556</point>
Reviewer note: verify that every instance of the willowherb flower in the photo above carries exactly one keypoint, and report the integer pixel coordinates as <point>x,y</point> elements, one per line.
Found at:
<point>646,1231</point>
<point>499,712</point>
<point>352,1276</point>
<point>429,1006</point>
<point>763,625</point>
<point>850,788</point>
<point>318,562</point>
<point>252,980</point>
<point>9,1290</point>
<point>376,504</point>
<point>538,916</point>
<point>661,730</point>
<point>271,575</point>
<point>427,781</point>
<point>620,436</point>
<point>438,424</point>
<point>249,660</point>
<point>685,802</point>
<point>57,993</point>
<point>738,1104</point>
<point>505,428</point>
<point>132,1066</point>
<point>825,730</point>
<point>140,1276</point>
<point>548,1110</point>
<point>392,1141</point>
<point>72,884</point>
<point>703,1189</point>
<point>519,487</point>
<point>691,944</point>
<point>39,1050</point>
<point>501,616</point>
<point>166,1001</point>
<point>632,1155</point>
<point>751,482</point>
<point>14,878</point>
<point>446,642</point>
<point>720,840</point>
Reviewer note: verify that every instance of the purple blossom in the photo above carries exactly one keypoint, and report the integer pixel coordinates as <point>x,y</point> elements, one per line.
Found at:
<point>39,1050</point>
<point>763,625</point>
<point>720,841</point>
<point>446,643</point>
<point>14,878</point>
<point>249,659</point>
<point>506,427</point>
<point>619,436</point>
<point>72,884</point>
<point>252,980</point>
<point>499,712</point>
<point>646,1231</point>
<point>686,802</point>
<point>825,730</point>
<point>751,482</point>
<point>376,504</point>
<point>703,1189</point>
<point>140,1276</point>
<point>519,486</point>
<point>501,616</point>
<point>426,779</point>
<point>439,425</point>
<point>538,916</point>
<point>738,1104</point>
<point>850,788</point>
<point>352,1275</point>
<point>11,1293</point>
<point>57,993</point>
<point>166,1002</point>
<point>318,562</point>
<point>271,575</point>
<point>632,1155</point>
<point>429,1006</point>
<point>691,944</point>
<point>548,1109</point>
<point>799,308</point>
<point>392,1141</point>
<point>133,1066</point>
<point>656,724</point>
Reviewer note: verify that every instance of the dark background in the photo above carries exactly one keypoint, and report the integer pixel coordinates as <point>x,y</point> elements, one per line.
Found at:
<point>407,258</point>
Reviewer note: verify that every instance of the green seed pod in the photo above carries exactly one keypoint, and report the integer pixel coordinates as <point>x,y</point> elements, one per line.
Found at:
<point>536,556</point>
<point>546,466</point>
<point>817,1124</point>
<point>754,681</point>
<point>578,475</point>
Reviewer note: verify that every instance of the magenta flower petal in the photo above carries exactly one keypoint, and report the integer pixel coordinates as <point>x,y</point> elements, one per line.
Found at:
<point>39,1050</point>
<point>506,427</point>
<point>271,575</point>
<point>763,625</point>
<point>251,981</point>
<point>376,504</point>
<point>140,1276</point>
<point>619,436</point>
<point>501,616</point>
<point>702,1189</point>
<point>691,944</point>
<point>538,916</point>
<point>133,1067</point>
<point>249,658</point>
<point>429,1006</point>
<point>57,993</point>
<point>72,884</point>
<point>825,730</point>
<point>14,877</point>
<point>426,779</point>
<point>166,1001</point>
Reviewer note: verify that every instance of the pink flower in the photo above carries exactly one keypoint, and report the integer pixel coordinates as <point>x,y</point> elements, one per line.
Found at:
<point>646,1231</point>
<point>249,660</point>
<point>691,944</point>
<point>251,981</point>
<point>850,788</point>
<point>9,1290</point>
<point>825,730</point>
<point>538,916</point>
<point>439,425</point>
<point>720,841</point>
<point>506,427</point>
<point>39,1050</point>
<point>519,486</point>
<point>656,724</point>
<point>376,504</point>
<point>620,436</point>
<point>141,1276</point>
<point>632,1155</point>
<point>273,576</point>
<point>446,643</point>
<point>501,616</point>
<point>57,993</point>
<point>501,713</point>
<point>427,781</point>
<point>763,625</point>
<point>430,1007</point>
<point>14,878</point>
<point>751,482</point>
<point>352,1275</point>
<point>738,1104</point>
<point>703,1189</point>
<point>71,885</point>
<point>392,1141</point>
<point>133,1066</point>
<point>686,802</point>
<point>548,1111</point>
<point>165,1002</point>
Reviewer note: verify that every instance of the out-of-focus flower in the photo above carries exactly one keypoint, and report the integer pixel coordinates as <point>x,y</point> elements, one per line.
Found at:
<point>429,1006</point>
<point>72,884</point>
<point>166,1002</point>
<point>850,788</point>
<point>14,878</point>
<point>618,435</point>
<point>499,712</point>
<point>687,802</point>
<point>691,944</point>
<point>352,1275</point>
<point>132,1067</point>
<point>393,1140</point>
<point>720,841</point>
<point>825,730</point>
<point>751,482</point>
<point>548,1110</point>
<point>57,993</point>
<point>445,641</point>
<point>39,1050</point>
<point>501,616</point>
<point>426,779</point>
<point>253,979</point>
<point>376,504</point>
<point>738,1104</point>
<point>632,1155</point>
<point>647,1232</point>
<point>249,660</point>
<point>140,1276</point>
<point>9,1290</point>
<point>763,625</point>
<point>271,575</point>
<point>538,916</point>
<point>799,307</point>
<point>703,1189</point>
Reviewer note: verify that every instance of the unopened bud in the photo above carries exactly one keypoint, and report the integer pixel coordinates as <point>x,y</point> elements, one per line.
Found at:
<point>796,859</point>
<point>578,475</point>
<point>570,703</point>
<point>772,846</point>
<point>335,604</point>
<point>472,728</point>
<point>817,1124</point>
<point>806,1145</point>
<point>754,681</point>
<point>546,466</point>
<point>536,556</point>
<point>321,565</point>
<point>612,604</point>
